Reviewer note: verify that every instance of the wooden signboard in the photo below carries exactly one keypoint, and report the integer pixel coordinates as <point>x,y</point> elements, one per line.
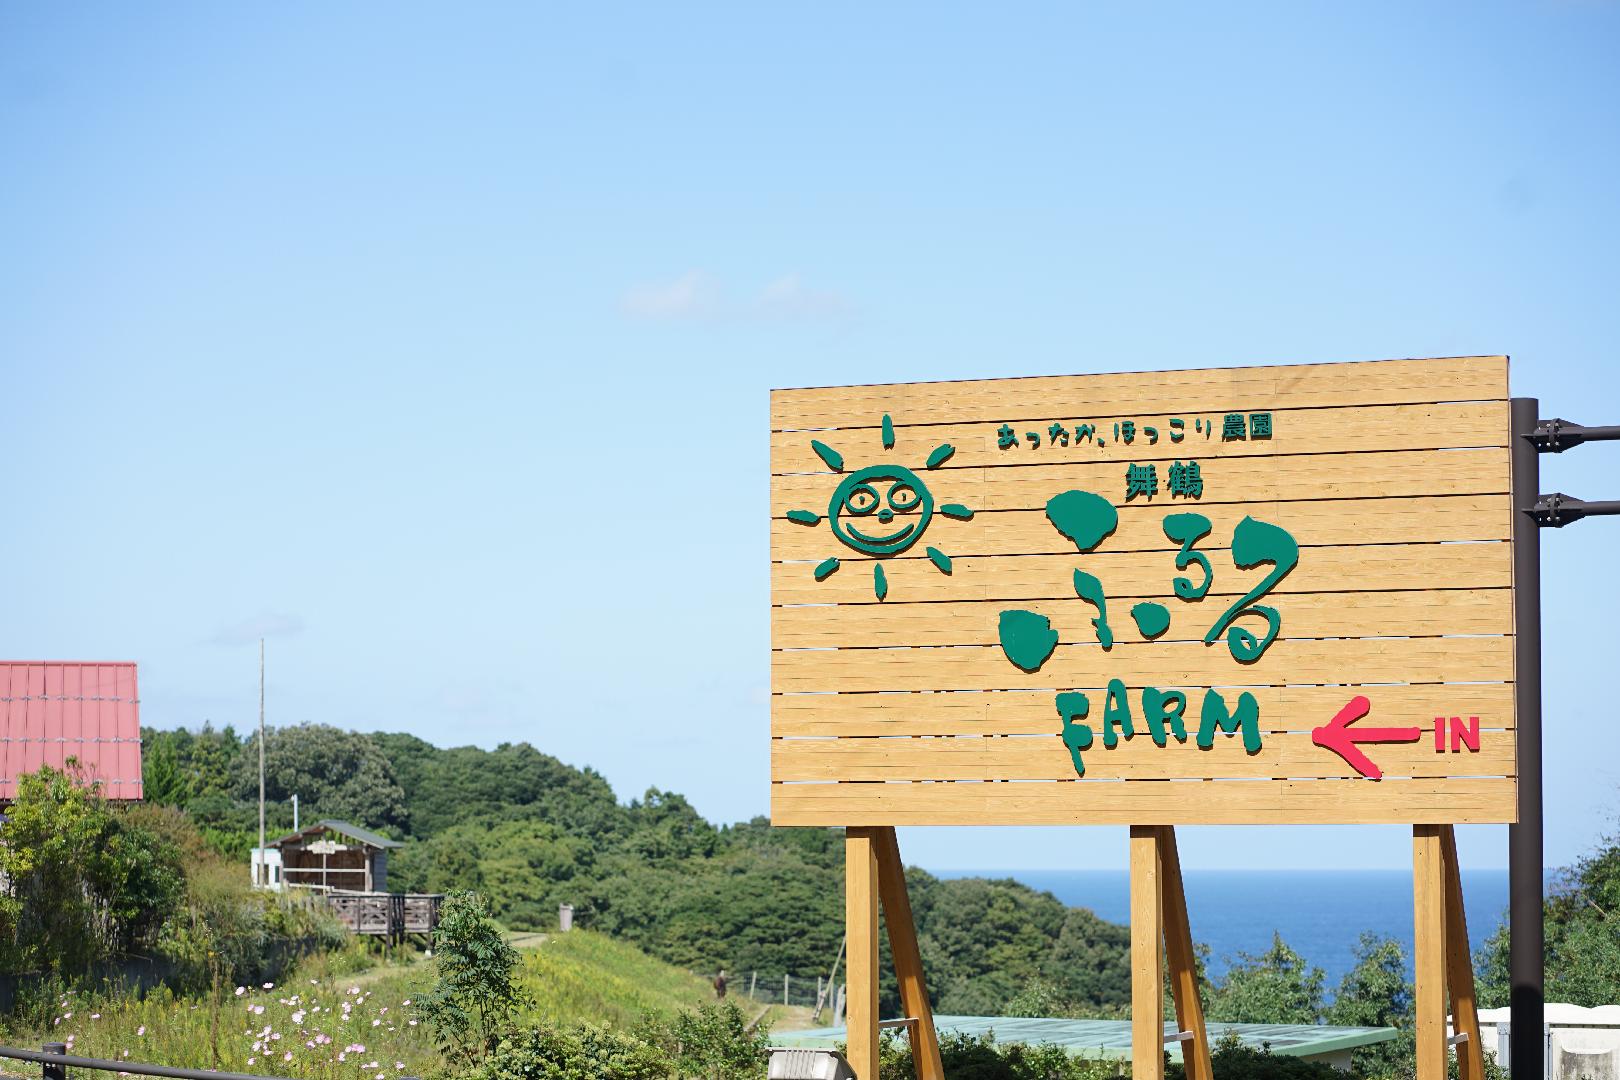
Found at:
<point>1267,595</point>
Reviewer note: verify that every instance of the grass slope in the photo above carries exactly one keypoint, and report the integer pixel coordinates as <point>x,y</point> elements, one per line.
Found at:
<point>590,978</point>
<point>328,1021</point>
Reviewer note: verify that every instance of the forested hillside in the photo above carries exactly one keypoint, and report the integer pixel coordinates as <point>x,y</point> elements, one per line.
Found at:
<point>531,832</point>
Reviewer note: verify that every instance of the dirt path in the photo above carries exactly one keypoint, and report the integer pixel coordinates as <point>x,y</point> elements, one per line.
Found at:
<point>526,939</point>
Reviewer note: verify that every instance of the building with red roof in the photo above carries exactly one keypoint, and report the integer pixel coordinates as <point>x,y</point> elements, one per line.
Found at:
<point>53,710</point>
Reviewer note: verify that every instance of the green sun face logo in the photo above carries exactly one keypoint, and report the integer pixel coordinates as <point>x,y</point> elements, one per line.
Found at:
<point>890,501</point>
<point>882,510</point>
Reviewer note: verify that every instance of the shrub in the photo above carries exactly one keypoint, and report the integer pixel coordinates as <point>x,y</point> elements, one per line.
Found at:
<point>584,1053</point>
<point>471,1005</point>
<point>980,1057</point>
<point>714,1042</point>
<point>81,882</point>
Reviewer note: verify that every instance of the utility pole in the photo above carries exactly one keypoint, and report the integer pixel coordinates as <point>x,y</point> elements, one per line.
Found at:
<point>1534,510</point>
<point>258,871</point>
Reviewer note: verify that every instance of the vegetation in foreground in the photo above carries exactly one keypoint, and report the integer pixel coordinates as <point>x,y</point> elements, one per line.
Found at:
<point>89,885</point>
<point>107,882</point>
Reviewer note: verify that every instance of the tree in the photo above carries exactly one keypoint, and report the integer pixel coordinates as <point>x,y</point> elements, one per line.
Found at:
<point>1582,934</point>
<point>335,774</point>
<point>182,766</point>
<point>1274,987</point>
<point>80,883</point>
<point>1376,993</point>
<point>470,1006</point>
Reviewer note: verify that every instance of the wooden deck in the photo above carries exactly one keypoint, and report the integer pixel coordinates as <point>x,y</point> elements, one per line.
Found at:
<point>391,915</point>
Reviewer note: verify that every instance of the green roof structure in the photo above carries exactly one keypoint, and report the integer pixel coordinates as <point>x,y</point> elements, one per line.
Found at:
<point>1111,1039</point>
<point>342,828</point>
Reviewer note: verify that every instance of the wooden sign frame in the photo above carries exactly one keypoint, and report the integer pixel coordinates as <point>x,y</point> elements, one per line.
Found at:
<point>950,642</point>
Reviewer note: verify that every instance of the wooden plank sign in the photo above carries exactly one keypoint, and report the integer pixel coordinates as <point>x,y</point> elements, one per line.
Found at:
<point>1269,594</point>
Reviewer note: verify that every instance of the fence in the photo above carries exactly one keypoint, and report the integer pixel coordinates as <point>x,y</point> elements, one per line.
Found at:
<point>763,988</point>
<point>55,1061</point>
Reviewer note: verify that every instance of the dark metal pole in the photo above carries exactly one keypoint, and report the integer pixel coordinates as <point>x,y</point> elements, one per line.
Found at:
<point>1526,1056</point>
<point>52,1071</point>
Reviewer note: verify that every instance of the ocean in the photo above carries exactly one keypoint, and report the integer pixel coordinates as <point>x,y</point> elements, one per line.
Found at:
<point>1319,913</point>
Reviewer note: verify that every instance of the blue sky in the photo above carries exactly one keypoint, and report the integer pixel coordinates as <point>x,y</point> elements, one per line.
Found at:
<point>433,342</point>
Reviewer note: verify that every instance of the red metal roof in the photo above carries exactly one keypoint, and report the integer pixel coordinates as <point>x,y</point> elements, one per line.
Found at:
<point>52,710</point>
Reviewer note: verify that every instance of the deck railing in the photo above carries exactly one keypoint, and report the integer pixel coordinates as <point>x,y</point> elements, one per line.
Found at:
<point>391,915</point>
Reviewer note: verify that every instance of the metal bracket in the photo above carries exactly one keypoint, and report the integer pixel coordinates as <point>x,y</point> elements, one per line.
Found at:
<point>1555,436</point>
<point>1557,510</point>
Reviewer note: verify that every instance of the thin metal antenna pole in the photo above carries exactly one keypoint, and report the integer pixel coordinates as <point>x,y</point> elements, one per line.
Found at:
<point>260,869</point>
<point>1527,1060</point>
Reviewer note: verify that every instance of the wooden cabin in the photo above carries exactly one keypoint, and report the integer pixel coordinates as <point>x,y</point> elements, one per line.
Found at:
<point>335,856</point>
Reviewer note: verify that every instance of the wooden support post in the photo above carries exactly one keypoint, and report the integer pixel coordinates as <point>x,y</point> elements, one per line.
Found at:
<point>861,924</point>
<point>1178,947</point>
<point>1429,959</point>
<point>1147,956</point>
<point>908,967</point>
<point>1460,965</point>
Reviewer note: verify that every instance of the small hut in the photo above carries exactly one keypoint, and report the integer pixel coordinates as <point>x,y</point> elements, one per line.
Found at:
<point>334,855</point>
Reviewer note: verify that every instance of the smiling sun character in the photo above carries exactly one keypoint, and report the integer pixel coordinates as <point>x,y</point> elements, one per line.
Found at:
<point>881,510</point>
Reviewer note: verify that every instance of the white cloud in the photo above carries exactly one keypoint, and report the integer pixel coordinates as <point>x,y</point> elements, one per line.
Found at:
<point>269,624</point>
<point>697,295</point>
<point>692,295</point>
<point>788,297</point>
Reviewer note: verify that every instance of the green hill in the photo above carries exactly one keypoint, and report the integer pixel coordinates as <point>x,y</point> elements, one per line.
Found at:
<point>530,832</point>
<point>591,978</point>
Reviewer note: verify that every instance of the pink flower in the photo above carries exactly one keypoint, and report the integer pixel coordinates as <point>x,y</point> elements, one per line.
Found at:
<point>240,990</point>
<point>258,1010</point>
<point>250,1061</point>
<point>287,1056</point>
<point>413,1023</point>
<point>269,986</point>
<point>407,1001</point>
<point>95,1016</point>
<point>141,1030</point>
<point>376,1023</point>
<point>298,1017</point>
<point>341,1055</point>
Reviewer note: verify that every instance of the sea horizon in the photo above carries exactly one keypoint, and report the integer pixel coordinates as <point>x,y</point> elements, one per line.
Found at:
<point>1320,913</point>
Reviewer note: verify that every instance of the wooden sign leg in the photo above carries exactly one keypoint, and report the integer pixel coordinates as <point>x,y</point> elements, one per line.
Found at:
<point>1147,956</point>
<point>1460,966</point>
<point>908,967</point>
<point>861,924</point>
<point>1429,959</point>
<point>1183,963</point>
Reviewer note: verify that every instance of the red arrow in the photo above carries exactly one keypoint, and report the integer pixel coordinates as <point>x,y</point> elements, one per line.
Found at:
<point>1336,736</point>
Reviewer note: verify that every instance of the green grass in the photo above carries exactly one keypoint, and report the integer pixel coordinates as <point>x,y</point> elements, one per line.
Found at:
<point>316,1024</point>
<point>578,977</point>
<point>584,977</point>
